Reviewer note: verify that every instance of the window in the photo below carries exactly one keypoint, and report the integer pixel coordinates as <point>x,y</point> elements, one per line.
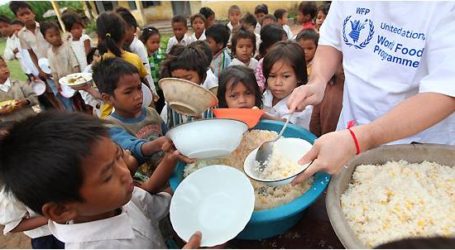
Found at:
<point>146,4</point>
<point>132,5</point>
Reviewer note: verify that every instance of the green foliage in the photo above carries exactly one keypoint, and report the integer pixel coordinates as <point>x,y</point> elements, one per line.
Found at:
<point>40,7</point>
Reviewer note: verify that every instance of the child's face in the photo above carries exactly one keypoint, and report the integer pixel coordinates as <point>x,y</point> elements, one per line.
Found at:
<point>259,16</point>
<point>5,29</point>
<point>267,21</point>
<point>198,25</point>
<point>189,75</point>
<point>53,37</point>
<point>16,27</point>
<point>244,50</point>
<point>130,31</point>
<point>215,47</point>
<point>127,98</point>
<point>210,21</point>
<point>248,27</point>
<point>179,30</point>
<point>76,31</point>
<point>4,71</point>
<point>239,96</point>
<point>107,182</point>
<point>282,80</point>
<point>153,43</point>
<point>284,19</point>
<point>309,46</point>
<point>320,17</point>
<point>26,16</point>
<point>234,17</point>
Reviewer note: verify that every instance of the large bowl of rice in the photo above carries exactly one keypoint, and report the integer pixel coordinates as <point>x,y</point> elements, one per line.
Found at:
<point>277,209</point>
<point>393,193</point>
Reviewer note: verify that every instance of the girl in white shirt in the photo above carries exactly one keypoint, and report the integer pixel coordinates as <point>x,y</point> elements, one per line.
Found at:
<point>80,43</point>
<point>283,72</point>
<point>243,48</point>
<point>198,22</point>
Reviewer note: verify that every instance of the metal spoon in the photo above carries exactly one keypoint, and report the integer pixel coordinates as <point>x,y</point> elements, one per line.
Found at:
<point>265,150</point>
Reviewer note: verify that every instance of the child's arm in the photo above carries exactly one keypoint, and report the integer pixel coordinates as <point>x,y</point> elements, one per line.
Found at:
<point>30,223</point>
<point>56,80</point>
<point>87,46</point>
<point>35,61</point>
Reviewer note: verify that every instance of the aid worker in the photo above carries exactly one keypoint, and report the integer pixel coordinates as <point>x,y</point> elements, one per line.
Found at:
<point>400,78</point>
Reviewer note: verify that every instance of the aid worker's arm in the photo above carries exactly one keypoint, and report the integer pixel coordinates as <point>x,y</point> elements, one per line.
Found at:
<point>332,151</point>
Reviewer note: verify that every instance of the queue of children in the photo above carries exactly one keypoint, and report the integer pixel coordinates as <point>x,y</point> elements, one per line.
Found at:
<point>255,61</point>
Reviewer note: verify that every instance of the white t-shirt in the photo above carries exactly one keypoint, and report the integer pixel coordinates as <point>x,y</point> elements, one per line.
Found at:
<point>186,40</point>
<point>281,110</point>
<point>137,47</point>
<point>135,227</point>
<point>211,81</point>
<point>389,55</point>
<point>79,50</point>
<point>252,65</point>
<point>201,38</point>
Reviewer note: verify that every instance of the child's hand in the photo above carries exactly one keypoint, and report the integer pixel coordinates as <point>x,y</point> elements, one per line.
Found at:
<point>22,103</point>
<point>171,151</point>
<point>194,242</point>
<point>130,161</point>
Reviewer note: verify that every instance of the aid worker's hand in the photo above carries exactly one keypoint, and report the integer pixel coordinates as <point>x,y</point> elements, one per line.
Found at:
<point>308,94</point>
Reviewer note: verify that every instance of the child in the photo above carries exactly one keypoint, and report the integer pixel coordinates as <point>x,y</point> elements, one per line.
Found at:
<point>21,93</point>
<point>238,88</point>
<point>179,27</point>
<point>243,48</point>
<point>89,93</point>
<point>86,192</point>
<point>260,11</point>
<point>283,66</point>
<point>189,63</point>
<point>268,19</point>
<point>33,41</point>
<point>217,38</point>
<point>211,81</point>
<point>234,14</point>
<point>79,42</point>
<point>198,24</point>
<point>270,35</point>
<point>282,17</point>
<point>151,38</point>
<point>306,15</point>
<point>249,22</point>
<point>209,16</point>
<point>62,60</point>
<point>323,11</point>
<point>308,40</point>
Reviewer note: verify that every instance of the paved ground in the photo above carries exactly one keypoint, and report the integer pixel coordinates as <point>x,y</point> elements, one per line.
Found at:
<point>16,240</point>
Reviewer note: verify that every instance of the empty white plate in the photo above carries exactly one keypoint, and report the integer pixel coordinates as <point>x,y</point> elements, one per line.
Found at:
<point>216,200</point>
<point>38,86</point>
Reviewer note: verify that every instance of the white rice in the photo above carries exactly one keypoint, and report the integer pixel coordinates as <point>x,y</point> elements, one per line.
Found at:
<point>277,167</point>
<point>400,200</point>
<point>266,196</point>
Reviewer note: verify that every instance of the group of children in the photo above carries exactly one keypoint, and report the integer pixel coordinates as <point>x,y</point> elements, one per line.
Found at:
<point>85,197</point>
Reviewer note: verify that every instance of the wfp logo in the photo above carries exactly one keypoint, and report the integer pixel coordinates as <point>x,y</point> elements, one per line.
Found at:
<point>356,28</point>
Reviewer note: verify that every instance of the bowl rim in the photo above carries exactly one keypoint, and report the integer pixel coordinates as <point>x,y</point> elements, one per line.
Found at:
<point>64,82</point>
<point>205,119</point>
<point>190,82</point>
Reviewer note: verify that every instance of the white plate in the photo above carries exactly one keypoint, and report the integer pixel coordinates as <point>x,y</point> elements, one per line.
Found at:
<point>216,200</point>
<point>291,148</point>
<point>76,79</point>
<point>43,63</point>
<point>39,87</point>
<point>67,92</point>
<point>147,96</point>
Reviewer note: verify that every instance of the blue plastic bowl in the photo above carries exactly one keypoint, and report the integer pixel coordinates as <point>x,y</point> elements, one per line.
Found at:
<point>270,222</point>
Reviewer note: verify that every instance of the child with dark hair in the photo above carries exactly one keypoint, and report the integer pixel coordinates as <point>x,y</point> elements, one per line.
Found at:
<point>268,19</point>
<point>238,88</point>
<point>151,38</point>
<point>211,81</point>
<point>243,48</point>
<point>323,11</point>
<point>198,22</point>
<point>79,41</point>
<point>89,92</point>
<point>217,38</point>
<point>234,14</point>
<point>179,27</point>
<point>209,16</point>
<point>249,22</point>
<point>270,35</point>
<point>260,11</point>
<point>308,40</point>
<point>307,14</point>
<point>281,16</point>
<point>87,193</point>
<point>283,66</point>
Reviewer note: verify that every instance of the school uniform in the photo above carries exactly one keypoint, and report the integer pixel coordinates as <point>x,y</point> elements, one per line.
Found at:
<point>15,90</point>
<point>253,64</point>
<point>34,40</point>
<point>186,40</point>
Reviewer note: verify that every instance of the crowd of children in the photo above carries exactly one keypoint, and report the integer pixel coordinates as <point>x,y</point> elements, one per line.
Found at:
<point>253,61</point>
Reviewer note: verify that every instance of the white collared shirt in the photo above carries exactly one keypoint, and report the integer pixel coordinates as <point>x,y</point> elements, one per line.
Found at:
<point>137,47</point>
<point>288,31</point>
<point>6,85</point>
<point>211,81</point>
<point>201,38</point>
<point>281,110</point>
<point>253,64</point>
<point>136,226</point>
<point>186,40</point>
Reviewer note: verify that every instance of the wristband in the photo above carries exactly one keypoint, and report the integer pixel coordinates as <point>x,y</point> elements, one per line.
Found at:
<point>356,142</point>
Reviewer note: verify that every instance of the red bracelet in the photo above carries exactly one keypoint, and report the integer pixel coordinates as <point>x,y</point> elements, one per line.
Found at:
<point>356,142</point>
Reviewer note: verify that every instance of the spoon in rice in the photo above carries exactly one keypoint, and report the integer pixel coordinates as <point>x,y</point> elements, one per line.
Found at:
<point>266,149</point>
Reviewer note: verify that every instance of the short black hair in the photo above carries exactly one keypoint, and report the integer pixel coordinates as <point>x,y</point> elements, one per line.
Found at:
<point>269,16</point>
<point>47,25</point>
<point>204,46</point>
<point>308,8</point>
<point>41,157</point>
<point>147,32</point>
<point>14,6</point>
<point>235,75</point>
<point>279,13</point>
<point>107,73</point>
<point>207,12</point>
<point>249,18</point>
<point>4,19</point>
<point>218,32</point>
<point>18,22</point>
<point>190,57</point>
<point>179,19</point>
<point>198,15</point>
<point>308,34</point>
<point>261,8</point>
<point>290,52</point>
<point>90,55</point>
<point>243,34</point>
<point>270,34</point>
<point>325,7</point>
<point>71,18</point>
<point>127,16</point>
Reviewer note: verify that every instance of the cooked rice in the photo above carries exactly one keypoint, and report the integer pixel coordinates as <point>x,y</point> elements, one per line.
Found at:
<point>266,196</point>
<point>400,200</point>
<point>277,167</point>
